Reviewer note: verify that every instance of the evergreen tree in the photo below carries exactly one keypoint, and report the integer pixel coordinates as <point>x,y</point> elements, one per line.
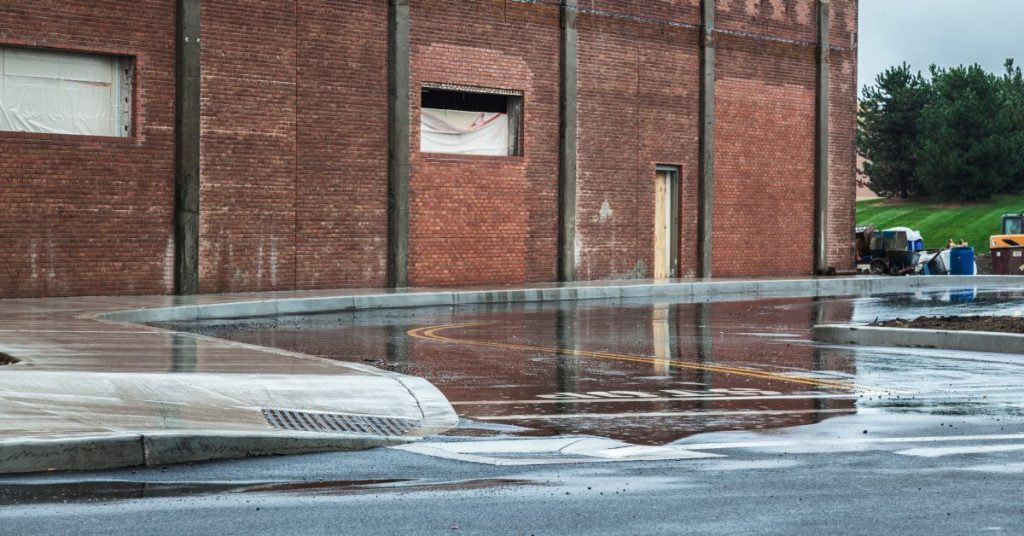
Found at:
<point>1013,88</point>
<point>965,136</point>
<point>888,123</point>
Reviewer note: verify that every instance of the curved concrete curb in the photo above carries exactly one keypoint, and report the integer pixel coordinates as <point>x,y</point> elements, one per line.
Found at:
<point>99,434</point>
<point>126,450</point>
<point>87,421</point>
<point>969,341</point>
<point>683,290</point>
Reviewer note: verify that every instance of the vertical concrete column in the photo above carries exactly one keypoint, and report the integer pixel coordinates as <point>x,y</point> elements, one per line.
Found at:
<point>398,143</point>
<point>567,143</point>
<point>821,159</point>
<point>706,181</point>
<point>186,179</point>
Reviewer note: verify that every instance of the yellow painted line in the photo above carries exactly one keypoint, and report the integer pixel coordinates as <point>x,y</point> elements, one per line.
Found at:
<point>431,333</point>
<point>655,414</point>
<point>584,401</point>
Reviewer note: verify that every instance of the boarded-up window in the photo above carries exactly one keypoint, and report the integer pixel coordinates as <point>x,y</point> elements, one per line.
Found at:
<point>65,93</point>
<point>471,121</point>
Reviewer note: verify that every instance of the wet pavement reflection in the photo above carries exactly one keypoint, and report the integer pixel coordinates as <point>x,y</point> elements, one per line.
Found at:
<point>650,371</point>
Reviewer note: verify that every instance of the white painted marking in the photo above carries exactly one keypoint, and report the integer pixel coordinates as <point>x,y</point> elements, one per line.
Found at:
<point>936,452</point>
<point>868,440</point>
<point>1001,468</point>
<point>547,451</point>
<point>569,416</point>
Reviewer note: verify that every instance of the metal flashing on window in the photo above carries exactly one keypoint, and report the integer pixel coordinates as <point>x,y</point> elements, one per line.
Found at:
<point>126,68</point>
<point>472,89</point>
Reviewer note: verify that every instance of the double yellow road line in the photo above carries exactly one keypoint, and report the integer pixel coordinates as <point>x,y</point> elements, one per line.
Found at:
<point>433,333</point>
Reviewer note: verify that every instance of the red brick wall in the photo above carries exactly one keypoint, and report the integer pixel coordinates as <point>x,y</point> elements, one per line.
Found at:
<point>843,128</point>
<point>294,170</point>
<point>638,105</point>
<point>294,155</point>
<point>342,178</point>
<point>764,139</point>
<point>475,219</point>
<point>247,186</point>
<point>84,215</point>
<point>764,159</point>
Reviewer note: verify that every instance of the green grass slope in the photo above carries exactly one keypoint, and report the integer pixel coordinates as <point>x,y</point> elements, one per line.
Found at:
<point>939,222</point>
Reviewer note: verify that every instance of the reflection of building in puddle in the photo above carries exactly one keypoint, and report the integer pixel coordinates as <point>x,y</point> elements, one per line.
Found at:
<point>647,373</point>
<point>567,362</point>
<point>688,371</point>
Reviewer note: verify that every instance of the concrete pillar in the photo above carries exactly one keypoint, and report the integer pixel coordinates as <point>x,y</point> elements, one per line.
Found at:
<point>567,144</point>
<point>398,143</point>
<point>186,178</point>
<point>821,160</point>
<point>706,181</point>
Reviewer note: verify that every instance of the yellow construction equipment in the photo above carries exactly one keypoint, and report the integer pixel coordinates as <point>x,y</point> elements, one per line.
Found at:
<point>1008,248</point>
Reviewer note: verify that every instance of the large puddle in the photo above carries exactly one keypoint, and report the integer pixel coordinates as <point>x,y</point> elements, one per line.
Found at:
<point>646,371</point>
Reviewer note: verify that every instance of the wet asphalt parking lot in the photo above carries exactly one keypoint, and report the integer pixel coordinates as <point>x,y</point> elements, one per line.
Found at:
<point>630,417</point>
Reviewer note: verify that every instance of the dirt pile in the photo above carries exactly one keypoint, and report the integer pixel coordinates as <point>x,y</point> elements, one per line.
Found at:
<point>999,324</point>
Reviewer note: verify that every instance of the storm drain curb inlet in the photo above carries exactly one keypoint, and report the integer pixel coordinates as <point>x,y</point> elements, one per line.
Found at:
<point>309,421</point>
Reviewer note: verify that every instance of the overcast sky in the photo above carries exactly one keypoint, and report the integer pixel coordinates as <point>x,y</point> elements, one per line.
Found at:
<point>943,32</point>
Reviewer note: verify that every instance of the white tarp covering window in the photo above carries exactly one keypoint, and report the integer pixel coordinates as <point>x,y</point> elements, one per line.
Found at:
<point>63,93</point>
<point>458,132</point>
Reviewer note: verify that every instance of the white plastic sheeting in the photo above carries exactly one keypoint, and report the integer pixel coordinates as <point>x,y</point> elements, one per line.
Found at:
<point>60,93</point>
<point>458,132</point>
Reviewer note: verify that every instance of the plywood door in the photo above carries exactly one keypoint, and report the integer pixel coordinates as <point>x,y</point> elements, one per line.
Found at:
<point>663,225</point>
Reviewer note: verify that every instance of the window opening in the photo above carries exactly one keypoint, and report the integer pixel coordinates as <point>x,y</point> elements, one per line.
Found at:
<point>470,121</point>
<point>59,92</point>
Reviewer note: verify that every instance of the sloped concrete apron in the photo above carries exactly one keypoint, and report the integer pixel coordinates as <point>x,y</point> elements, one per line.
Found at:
<point>94,389</point>
<point>86,393</point>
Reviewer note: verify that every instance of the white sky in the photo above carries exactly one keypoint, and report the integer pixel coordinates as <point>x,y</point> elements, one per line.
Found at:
<point>943,32</point>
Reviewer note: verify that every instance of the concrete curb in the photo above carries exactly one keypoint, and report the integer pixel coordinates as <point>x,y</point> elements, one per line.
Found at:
<point>223,417</point>
<point>32,455</point>
<point>970,341</point>
<point>685,291</point>
<point>28,455</point>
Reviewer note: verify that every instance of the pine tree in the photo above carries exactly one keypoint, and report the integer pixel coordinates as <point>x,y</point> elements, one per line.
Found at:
<point>966,136</point>
<point>888,123</point>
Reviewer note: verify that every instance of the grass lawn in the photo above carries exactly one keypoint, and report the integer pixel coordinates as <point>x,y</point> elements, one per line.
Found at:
<point>938,222</point>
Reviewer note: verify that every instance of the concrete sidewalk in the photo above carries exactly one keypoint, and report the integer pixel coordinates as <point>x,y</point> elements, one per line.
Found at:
<point>90,394</point>
<point>93,388</point>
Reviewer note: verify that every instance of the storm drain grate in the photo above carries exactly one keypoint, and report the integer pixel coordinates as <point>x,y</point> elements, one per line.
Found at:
<point>309,421</point>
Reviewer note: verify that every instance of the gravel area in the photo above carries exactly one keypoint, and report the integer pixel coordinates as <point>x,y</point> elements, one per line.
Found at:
<point>1000,324</point>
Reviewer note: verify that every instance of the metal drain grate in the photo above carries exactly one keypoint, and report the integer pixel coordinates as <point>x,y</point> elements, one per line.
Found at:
<point>309,421</point>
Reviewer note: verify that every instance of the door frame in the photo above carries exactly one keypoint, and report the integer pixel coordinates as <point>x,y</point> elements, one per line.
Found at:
<point>673,192</point>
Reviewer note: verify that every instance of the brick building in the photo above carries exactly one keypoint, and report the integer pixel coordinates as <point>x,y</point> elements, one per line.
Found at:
<point>154,146</point>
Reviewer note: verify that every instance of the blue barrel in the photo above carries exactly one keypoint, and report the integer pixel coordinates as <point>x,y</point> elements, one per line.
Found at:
<point>961,261</point>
